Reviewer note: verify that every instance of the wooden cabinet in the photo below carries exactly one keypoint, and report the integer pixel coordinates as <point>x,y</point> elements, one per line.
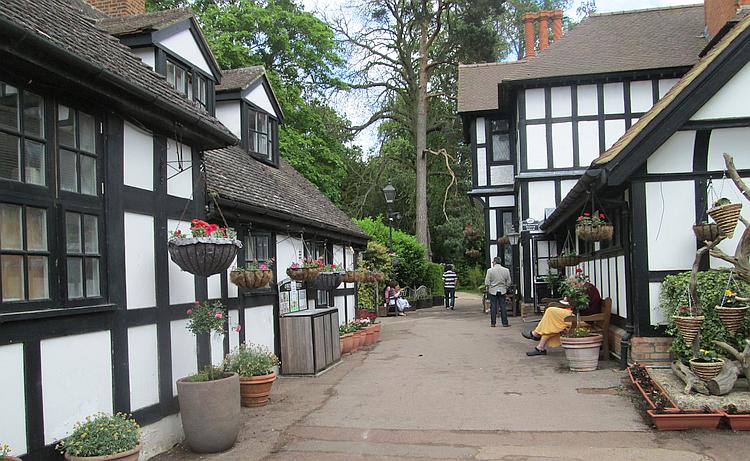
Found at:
<point>309,341</point>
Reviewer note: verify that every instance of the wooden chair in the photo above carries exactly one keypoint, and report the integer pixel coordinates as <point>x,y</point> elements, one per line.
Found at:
<point>600,323</point>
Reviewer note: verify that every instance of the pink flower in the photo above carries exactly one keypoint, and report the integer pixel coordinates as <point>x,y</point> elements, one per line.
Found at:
<point>238,328</point>
<point>189,312</point>
<point>197,303</point>
<point>263,266</point>
<point>210,313</point>
<point>218,315</point>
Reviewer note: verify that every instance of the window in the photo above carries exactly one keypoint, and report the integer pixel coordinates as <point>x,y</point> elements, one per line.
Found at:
<point>180,79</point>
<point>76,135</point>
<point>260,134</point>
<point>23,150</point>
<point>201,92</point>
<point>257,247</point>
<point>82,255</point>
<point>24,253</point>
<point>500,135</point>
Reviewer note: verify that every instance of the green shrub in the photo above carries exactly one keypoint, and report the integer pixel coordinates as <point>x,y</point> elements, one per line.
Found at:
<point>251,360</point>
<point>470,277</point>
<point>208,373</point>
<point>412,269</point>
<point>435,278</point>
<point>101,435</point>
<point>711,286</point>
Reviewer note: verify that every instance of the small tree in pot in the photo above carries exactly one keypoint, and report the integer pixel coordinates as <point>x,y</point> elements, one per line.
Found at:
<point>580,344</point>
<point>255,364</point>
<point>102,437</point>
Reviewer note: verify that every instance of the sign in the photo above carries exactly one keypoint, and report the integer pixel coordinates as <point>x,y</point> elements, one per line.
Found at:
<point>292,296</point>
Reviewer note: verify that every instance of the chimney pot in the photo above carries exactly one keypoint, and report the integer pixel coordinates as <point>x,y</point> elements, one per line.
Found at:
<point>528,26</point>
<point>557,25</point>
<point>543,30</point>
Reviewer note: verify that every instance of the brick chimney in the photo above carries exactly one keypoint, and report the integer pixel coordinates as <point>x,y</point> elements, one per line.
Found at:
<point>528,27</point>
<point>119,7</point>
<point>557,26</point>
<point>543,30</point>
<point>543,18</point>
<point>718,12</point>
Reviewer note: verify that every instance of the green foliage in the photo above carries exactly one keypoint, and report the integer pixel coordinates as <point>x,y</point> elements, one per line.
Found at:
<point>707,356</point>
<point>206,317</point>
<point>574,290</point>
<point>208,373</point>
<point>711,286</point>
<point>375,258</point>
<point>471,277</point>
<point>435,278</point>
<point>251,360</point>
<point>101,435</point>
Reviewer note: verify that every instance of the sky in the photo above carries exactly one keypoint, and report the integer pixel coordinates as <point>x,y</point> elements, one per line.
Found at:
<point>358,112</point>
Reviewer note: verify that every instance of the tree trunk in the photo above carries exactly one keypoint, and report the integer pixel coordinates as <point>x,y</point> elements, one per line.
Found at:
<point>421,140</point>
<point>723,383</point>
<point>692,382</point>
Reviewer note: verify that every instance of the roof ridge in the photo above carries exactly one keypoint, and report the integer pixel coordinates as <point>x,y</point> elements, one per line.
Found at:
<point>183,9</point>
<point>489,64</point>
<point>647,10</point>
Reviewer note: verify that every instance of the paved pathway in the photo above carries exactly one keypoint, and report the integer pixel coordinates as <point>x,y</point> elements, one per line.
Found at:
<point>444,385</point>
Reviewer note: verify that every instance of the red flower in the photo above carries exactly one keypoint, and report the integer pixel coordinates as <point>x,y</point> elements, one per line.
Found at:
<point>587,214</point>
<point>578,270</point>
<point>601,215</point>
<point>580,218</point>
<point>189,312</point>
<point>217,315</point>
<point>238,328</point>
<point>211,228</point>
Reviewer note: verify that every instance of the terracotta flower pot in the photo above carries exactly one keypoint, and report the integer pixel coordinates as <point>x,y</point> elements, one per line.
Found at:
<point>706,370</point>
<point>347,344</point>
<point>210,404</point>
<point>254,390</point>
<point>662,393</point>
<point>582,353</point>
<point>376,327</point>
<point>130,455</point>
<point>732,317</point>
<point>688,326</point>
<point>355,341</point>
<point>678,420</point>
<point>361,338</point>
<point>726,216</point>
<point>739,422</point>
<point>369,336</point>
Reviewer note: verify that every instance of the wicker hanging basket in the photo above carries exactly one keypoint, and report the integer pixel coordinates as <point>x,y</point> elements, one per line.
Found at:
<point>706,370</point>
<point>554,263</point>
<point>203,256</point>
<point>567,261</point>
<point>349,277</point>
<point>251,280</point>
<point>589,233</point>
<point>732,317</point>
<point>726,216</point>
<point>327,281</point>
<point>689,326</point>
<point>303,274</point>
<point>706,232</point>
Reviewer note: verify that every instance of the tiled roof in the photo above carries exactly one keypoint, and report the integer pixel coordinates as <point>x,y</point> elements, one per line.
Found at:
<point>239,79</point>
<point>236,175</point>
<point>60,25</point>
<point>141,23</point>
<point>605,43</point>
<point>85,9</point>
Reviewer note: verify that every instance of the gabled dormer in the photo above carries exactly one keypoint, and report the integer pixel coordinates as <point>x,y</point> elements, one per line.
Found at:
<point>246,104</point>
<point>171,43</point>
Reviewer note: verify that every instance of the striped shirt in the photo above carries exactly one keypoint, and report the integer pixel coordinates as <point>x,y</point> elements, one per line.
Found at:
<point>449,279</point>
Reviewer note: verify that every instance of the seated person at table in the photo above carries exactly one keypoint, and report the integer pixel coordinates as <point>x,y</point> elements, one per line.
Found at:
<point>547,332</point>
<point>394,297</point>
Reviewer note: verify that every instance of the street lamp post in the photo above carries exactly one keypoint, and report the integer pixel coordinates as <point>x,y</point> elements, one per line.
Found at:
<point>390,196</point>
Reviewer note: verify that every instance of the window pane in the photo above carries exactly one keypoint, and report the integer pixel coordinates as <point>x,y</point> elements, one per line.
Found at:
<point>91,234</point>
<point>189,85</point>
<point>170,73</point>
<point>251,142</point>
<point>262,144</point>
<point>73,232</point>
<point>34,163</point>
<point>33,114</point>
<point>499,125</point>
<point>10,160</point>
<point>38,277</point>
<point>201,90</point>
<point>10,227</point>
<point>75,278</point>
<point>8,106</point>
<point>179,80</point>
<point>11,268</point>
<point>250,248</point>
<point>261,248</point>
<point>36,229</point>
<point>68,171</point>
<point>92,277</point>
<point>251,116</point>
<point>262,123</point>
<point>87,132</point>
<point>500,147</point>
<point>66,126</point>
<point>88,175</point>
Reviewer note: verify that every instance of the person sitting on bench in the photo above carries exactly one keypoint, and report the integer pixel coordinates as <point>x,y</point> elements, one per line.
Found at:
<point>547,332</point>
<point>394,298</point>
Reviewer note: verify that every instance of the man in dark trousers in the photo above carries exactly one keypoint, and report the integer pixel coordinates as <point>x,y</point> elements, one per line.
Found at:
<point>497,282</point>
<point>449,285</point>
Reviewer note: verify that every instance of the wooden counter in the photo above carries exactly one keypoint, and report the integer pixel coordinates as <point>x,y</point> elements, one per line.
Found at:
<point>309,341</point>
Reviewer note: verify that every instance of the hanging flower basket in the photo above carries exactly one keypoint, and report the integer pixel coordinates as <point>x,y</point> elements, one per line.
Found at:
<point>554,263</point>
<point>303,274</point>
<point>706,370</point>
<point>709,231</point>
<point>688,326</point>
<point>327,281</point>
<point>592,233</point>
<point>204,256</point>
<point>251,279</point>
<point>732,317</point>
<point>349,277</point>
<point>570,260</point>
<point>726,216</point>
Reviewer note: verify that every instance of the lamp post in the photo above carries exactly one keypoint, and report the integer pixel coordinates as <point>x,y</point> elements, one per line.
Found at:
<point>390,196</point>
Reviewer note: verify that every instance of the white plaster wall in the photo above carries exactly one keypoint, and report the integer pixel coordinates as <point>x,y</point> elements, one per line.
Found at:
<point>588,100</point>
<point>217,348</point>
<point>622,295</point>
<point>259,326</point>
<point>588,142</point>
<point>184,45</point>
<point>338,256</point>
<point>138,157</point>
<point>499,201</point>
<point>493,224</point>
<point>181,284</point>
<point>493,251</point>
<point>613,281</point>
<point>535,104</point>
<point>161,436</point>
<point>641,96</point>
<point>338,302</point>
<point>562,145</point>
<point>184,352</point>
<point>670,215</point>
<point>214,286</point>
<point>12,402</point>
<point>350,309</point>
<point>181,182</point>
<point>147,55</point>
<point>735,142</point>
<point>675,155</point>
<point>76,380</point>
<point>536,147</point>
<point>258,96</point>
<point>501,175</point>
<point>232,290</point>
<point>288,250</point>
<point>143,360</point>
<point>614,98</point>
<point>665,85</point>
<point>725,188</point>
<point>481,133</point>
<point>228,113</point>
<point>561,101</point>
<point>140,263</point>
<point>481,166</point>
<point>613,129</point>
<point>565,186</point>
<point>731,101</point>
<point>541,196</point>
<point>234,336</point>
<point>657,316</point>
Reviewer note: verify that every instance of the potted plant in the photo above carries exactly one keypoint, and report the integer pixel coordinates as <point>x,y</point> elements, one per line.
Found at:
<point>651,391</point>
<point>594,227</point>
<point>255,364</point>
<point>253,275</point>
<point>731,311</point>
<point>706,364</point>
<point>306,271</point>
<point>706,231</point>
<point>5,453</point>
<point>739,420</point>
<point>208,250</point>
<point>726,214</point>
<point>353,328</point>
<point>210,398</point>
<point>580,344</point>
<point>677,419</point>
<point>101,437</point>
<point>346,337</point>
<point>329,278</point>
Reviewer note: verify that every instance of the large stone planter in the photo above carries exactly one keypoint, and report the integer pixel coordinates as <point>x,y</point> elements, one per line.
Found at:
<point>130,455</point>
<point>203,256</point>
<point>254,390</point>
<point>582,353</point>
<point>210,413</point>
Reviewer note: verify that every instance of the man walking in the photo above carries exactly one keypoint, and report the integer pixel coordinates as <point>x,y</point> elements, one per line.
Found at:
<point>497,282</point>
<point>449,286</point>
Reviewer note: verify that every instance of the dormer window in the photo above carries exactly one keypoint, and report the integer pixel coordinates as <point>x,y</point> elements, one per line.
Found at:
<point>184,81</point>
<point>260,134</point>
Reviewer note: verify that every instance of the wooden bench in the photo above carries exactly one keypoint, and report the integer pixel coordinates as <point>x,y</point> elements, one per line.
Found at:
<point>599,323</point>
